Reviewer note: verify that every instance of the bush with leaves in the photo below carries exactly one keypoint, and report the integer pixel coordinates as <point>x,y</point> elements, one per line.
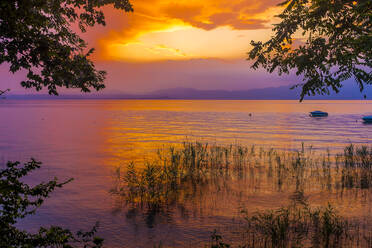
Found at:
<point>19,200</point>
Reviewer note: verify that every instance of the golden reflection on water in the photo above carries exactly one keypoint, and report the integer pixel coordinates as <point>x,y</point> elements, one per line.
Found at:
<point>137,128</point>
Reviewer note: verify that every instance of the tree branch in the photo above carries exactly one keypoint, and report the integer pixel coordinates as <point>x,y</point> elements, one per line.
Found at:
<point>4,91</point>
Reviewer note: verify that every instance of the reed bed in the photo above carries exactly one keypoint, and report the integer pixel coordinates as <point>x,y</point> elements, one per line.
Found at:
<point>196,163</point>
<point>180,173</point>
<point>173,169</point>
<point>298,225</point>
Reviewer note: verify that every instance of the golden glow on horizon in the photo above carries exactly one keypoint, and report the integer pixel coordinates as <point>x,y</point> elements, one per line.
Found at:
<point>183,44</point>
<point>164,30</point>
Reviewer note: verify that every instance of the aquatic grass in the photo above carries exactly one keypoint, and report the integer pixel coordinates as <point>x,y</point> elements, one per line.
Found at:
<point>196,163</point>
<point>182,174</point>
<point>179,176</point>
<point>217,241</point>
<point>357,167</point>
<point>297,225</point>
<point>193,163</point>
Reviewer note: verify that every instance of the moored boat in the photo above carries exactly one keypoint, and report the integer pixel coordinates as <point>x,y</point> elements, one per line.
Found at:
<point>367,119</point>
<point>318,114</point>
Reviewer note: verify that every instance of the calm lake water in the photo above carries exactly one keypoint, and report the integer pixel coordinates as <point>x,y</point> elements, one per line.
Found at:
<point>88,139</point>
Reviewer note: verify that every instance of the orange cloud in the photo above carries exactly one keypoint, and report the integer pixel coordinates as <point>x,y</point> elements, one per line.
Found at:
<point>139,36</point>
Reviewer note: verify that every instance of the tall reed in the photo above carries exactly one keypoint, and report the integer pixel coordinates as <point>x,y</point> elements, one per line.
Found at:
<point>196,163</point>
<point>180,173</point>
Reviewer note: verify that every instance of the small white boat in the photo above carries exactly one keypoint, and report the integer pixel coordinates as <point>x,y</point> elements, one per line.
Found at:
<point>318,114</point>
<point>367,119</point>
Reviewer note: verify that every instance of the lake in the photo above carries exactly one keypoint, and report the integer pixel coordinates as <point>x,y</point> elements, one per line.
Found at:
<point>89,139</point>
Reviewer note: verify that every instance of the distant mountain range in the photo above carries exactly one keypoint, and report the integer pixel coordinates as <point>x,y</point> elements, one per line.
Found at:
<point>349,92</point>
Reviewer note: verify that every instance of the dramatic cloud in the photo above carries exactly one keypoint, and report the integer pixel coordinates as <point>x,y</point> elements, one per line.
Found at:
<point>181,30</point>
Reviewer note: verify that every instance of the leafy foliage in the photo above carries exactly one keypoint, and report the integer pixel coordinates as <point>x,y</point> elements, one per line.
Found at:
<point>18,200</point>
<point>35,35</point>
<point>337,44</point>
<point>4,91</point>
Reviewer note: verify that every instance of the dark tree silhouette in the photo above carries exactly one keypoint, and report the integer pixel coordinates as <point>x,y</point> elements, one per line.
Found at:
<point>336,45</point>
<point>4,91</point>
<point>36,36</point>
<point>19,200</point>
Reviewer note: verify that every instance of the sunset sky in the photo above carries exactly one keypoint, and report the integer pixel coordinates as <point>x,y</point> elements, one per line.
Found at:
<point>168,44</point>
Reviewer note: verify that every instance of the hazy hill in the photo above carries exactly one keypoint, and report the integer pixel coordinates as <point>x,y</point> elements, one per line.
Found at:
<point>349,92</point>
